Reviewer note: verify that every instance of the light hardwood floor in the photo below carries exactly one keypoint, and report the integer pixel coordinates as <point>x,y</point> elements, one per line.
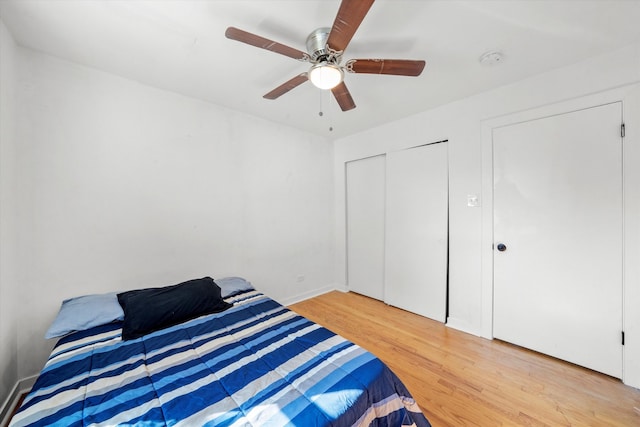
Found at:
<point>462,380</point>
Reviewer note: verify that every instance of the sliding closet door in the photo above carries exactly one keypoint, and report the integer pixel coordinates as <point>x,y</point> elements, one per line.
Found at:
<point>365,226</point>
<point>416,230</point>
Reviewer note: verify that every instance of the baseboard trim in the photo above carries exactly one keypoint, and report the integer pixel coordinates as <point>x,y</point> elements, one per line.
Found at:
<point>304,296</point>
<point>22,386</point>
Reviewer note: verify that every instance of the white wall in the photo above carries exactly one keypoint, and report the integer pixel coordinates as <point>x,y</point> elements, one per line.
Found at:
<point>461,123</point>
<point>8,346</point>
<point>123,186</point>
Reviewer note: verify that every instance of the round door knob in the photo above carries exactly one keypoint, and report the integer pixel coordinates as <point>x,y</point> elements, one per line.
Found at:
<point>502,247</point>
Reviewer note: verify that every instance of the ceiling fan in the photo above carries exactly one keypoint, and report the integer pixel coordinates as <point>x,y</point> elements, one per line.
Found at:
<point>325,47</point>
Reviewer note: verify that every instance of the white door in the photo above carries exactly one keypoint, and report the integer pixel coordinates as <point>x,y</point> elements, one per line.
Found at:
<point>558,236</point>
<point>365,226</point>
<point>416,230</point>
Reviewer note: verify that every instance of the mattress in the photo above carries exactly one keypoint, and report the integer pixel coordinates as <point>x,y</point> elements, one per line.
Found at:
<point>255,364</point>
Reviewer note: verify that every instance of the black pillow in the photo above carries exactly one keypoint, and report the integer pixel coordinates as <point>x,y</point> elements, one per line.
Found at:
<point>148,310</point>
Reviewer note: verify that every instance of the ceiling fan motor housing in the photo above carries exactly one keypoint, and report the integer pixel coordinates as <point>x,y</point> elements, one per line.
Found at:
<point>317,46</point>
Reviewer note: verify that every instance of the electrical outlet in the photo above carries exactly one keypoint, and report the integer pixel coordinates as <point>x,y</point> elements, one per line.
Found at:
<point>473,201</point>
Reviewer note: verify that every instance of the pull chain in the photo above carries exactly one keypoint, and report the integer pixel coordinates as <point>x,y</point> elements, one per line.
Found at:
<point>330,110</point>
<point>328,107</point>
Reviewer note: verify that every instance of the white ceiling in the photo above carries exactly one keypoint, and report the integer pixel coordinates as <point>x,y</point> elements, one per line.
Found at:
<point>180,46</point>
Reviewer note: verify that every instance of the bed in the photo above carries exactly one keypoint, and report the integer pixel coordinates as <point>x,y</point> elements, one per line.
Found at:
<point>254,363</point>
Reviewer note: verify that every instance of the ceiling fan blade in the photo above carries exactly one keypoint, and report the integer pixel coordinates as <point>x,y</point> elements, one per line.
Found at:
<point>287,86</point>
<point>348,19</point>
<point>257,41</point>
<point>398,67</point>
<point>342,95</point>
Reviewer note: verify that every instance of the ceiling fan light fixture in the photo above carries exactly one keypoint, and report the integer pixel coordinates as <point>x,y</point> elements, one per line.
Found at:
<point>326,76</point>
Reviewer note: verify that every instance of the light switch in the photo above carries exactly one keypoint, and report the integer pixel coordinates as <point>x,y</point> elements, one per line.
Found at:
<point>472,201</point>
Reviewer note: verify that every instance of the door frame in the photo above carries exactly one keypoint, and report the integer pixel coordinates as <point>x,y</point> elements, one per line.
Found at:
<point>629,96</point>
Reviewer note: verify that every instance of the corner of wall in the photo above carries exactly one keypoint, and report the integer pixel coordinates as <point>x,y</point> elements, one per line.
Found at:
<point>8,349</point>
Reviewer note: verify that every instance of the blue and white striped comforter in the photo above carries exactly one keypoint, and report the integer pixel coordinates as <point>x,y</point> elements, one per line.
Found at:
<point>256,364</point>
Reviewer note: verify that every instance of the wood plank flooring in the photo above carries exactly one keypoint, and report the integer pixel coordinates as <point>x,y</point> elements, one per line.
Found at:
<point>462,380</point>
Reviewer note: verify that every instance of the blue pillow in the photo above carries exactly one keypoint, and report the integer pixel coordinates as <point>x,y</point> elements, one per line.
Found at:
<point>81,313</point>
<point>230,286</point>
